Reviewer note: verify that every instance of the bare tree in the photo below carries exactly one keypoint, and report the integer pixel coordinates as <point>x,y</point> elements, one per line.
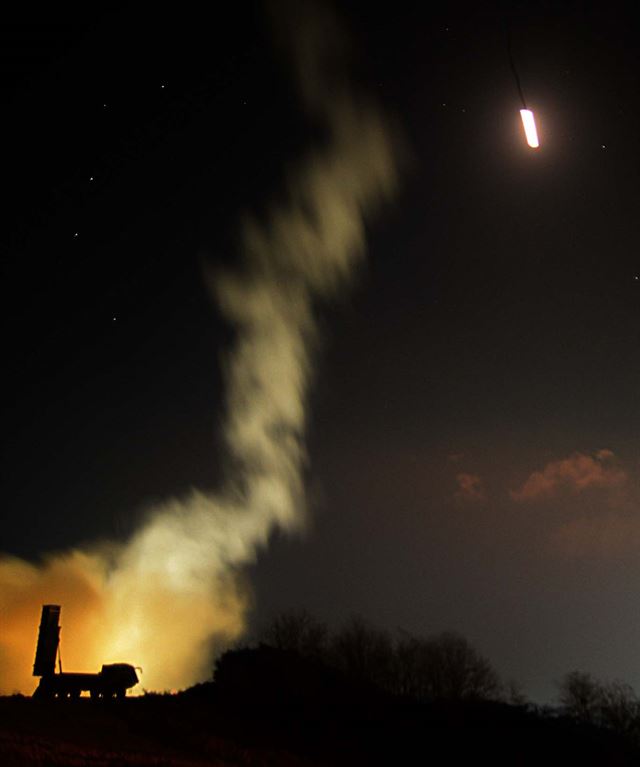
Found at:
<point>297,631</point>
<point>443,667</point>
<point>613,705</point>
<point>581,696</point>
<point>620,708</point>
<point>364,652</point>
<point>453,669</point>
<point>408,677</point>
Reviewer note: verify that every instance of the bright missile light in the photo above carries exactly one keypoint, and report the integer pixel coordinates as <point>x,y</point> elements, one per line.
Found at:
<point>529,125</point>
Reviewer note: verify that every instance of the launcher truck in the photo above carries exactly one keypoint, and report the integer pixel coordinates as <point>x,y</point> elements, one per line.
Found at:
<point>112,681</point>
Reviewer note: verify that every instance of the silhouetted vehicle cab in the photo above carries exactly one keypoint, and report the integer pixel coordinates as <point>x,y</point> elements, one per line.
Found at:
<point>114,680</point>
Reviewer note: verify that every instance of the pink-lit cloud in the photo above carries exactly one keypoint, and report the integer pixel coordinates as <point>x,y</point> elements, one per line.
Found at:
<point>470,488</point>
<point>575,474</point>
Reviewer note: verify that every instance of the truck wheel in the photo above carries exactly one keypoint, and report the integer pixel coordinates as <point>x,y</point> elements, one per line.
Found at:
<point>121,694</point>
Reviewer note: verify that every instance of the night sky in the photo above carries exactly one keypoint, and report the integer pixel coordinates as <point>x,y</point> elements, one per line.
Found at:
<point>473,453</point>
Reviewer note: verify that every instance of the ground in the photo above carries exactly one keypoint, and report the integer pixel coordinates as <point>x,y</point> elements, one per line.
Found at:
<point>199,728</point>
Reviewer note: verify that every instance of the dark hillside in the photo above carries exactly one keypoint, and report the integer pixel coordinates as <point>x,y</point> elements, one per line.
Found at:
<point>201,727</point>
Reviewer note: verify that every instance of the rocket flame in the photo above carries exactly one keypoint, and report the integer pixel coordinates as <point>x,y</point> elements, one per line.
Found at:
<point>530,130</point>
<point>173,595</point>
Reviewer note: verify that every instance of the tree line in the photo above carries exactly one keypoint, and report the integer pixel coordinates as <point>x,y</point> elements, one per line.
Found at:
<point>298,652</point>
<point>442,667</point>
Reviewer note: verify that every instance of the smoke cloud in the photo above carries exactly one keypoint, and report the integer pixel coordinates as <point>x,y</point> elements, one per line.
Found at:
<point>174,594</point>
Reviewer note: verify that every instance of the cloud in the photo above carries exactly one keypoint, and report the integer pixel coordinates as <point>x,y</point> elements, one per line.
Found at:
<point>470,488</point>
<point>587,524</point>
<point>575,474</point>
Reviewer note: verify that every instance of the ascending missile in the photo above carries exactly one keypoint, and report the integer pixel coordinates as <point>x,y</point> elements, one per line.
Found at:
<point>529,125</point>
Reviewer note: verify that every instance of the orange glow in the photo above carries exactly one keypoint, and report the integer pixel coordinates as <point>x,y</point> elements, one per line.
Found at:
<point>530,131</point>
<point>111,617</point>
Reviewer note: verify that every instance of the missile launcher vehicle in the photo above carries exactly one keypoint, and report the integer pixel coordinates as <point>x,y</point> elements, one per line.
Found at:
<point>112,681</point>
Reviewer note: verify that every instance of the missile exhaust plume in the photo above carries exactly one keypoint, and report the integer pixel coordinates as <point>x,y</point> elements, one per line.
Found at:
<point>174,594</point>
<point>530,130</point>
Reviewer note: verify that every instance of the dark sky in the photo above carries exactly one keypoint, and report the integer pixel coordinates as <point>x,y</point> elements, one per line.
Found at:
<point>494,331</point>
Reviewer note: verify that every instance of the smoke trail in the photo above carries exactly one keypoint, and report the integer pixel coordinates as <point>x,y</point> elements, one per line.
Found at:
<point>173,593</point>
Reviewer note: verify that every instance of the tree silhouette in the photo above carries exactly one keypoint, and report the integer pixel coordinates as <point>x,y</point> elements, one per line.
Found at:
<point>297,631</point>
<point>364,652</point>
<point>613,705</point>
<point>580,695</point>
<point>620,708</point>
<point>450,668</point>
<point>441,667</point>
